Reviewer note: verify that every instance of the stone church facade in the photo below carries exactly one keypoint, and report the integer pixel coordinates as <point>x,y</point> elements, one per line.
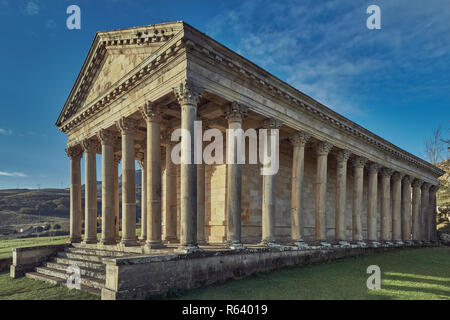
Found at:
<point>337,183</point>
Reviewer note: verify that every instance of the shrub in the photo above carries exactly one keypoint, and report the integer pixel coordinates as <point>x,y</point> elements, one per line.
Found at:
<point>56,227</point>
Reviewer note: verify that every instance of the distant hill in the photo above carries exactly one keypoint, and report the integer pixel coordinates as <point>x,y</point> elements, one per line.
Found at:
<point>23,206</point>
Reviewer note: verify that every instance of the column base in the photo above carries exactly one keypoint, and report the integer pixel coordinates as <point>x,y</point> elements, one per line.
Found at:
<point>386,243</point>
<point>188,249</point>
<point>269,243</point>
<point>154,244</point>
<point>107,242</point>
<point>359,243</point>
<point>299,243</point>
<point>171,240</point>
<point>399,243</point>
<point>343,243</point>
<point>234,245</point>
<point>202,242</point>
<point>75,240</point>
<point>409,243</point>
<point>90,241</point>
<point>128,243</point>
<point>374,244</point>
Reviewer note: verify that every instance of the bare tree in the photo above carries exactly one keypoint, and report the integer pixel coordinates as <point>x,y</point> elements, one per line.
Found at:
<point>434,146</point>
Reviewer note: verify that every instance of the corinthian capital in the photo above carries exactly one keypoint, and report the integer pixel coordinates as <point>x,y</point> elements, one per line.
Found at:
<point>387,172</point>
<point>417,183</point>
<point>359,162</point>
<point>434,189</point>
<point>74,152</point>
<point>127,125</point>
<point>150,112</point>
<point>374,167</point>
<point>106,137</point>
<point>397,176</point>
<point>407,179</point>
<point>343,155</point>
<point>272,123</point>
<point>299,139</point>
<point>187,94</point>
<point>323,148</point>
<point>236,112</point>
<point>425,186</point>
<point>90,145</point>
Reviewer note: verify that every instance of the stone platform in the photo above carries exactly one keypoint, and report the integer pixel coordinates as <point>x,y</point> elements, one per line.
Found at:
<point>115,272</point>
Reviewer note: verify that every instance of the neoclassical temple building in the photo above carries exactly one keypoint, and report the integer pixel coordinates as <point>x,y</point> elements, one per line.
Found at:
<point>337,182</point>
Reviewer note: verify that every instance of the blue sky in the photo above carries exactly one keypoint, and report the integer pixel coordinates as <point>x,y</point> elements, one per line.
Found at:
<point>394,81</point>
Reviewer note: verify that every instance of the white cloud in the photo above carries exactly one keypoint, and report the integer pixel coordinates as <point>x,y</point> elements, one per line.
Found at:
<point>5,132</point>
<point>32,8</point>
<point>13,174</point>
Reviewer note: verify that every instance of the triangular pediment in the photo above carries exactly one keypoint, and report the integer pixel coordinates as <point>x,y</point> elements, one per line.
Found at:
<point>113,54</point>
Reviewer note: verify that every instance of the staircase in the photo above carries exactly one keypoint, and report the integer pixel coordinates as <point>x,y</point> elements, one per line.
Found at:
<point>93,271</point>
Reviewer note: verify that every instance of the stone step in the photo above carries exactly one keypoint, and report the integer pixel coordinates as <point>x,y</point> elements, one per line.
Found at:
<point>98,274</point>
<point>80,263</point>
<point>97,252</point>
<point>79,256</point>
<point>55,281</point>
<point>85,280</point>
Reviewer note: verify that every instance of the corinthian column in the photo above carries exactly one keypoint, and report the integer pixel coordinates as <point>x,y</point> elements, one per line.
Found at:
<point>323,149</point>
<point>396,207</point>
<point>141,156</point>
<point>116,196</point>
<point>234,115</point>
<point>358,175</point>
<point>108,233</point>
<point>75,153</point>
<point>298,141</point>
<point>188,98</point>
<point>432,232</point>
<point>406,208</point>
<point>341,194</point>
<point>90,147</point>
<point>171,193</point>
<point>152,116</point>
<point>127,127</point>
<point>416,210</point>
<point>372,202</point>
<point>385,212</point>
<point>424,211</point>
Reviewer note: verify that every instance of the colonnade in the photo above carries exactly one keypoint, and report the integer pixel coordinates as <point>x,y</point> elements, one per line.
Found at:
<point>407,215</point>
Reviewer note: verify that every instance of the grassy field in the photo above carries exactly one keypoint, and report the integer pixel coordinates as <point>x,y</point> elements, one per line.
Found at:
<point>406,274</point>
<point>6,246</point>
<point>28,289</point>
<point>420,274</point>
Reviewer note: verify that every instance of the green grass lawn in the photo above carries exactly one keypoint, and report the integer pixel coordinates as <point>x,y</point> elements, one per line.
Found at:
<point>28,289</point>
<point>6,246</point>
<point>405,274</point>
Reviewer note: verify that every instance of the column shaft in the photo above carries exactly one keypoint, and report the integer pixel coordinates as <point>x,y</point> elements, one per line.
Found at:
<point>425,198</point>
<point>235,114</point>
<point>321,190</point>
<point>416,210</point>
<point>90,220</point>
<point>358,175</point>
<point>372,202</point>
<point>75,154</point>
<point>170,196</point>
<point>108,212</point>
<point>268,188</point>
<point>127,128</point>
<point>396,206</point>
<point>432,230</point>
<point>144,211</point>
<point>116,197</point>
<point>201,204</point>
<point>385,212</point>
<point>298,140</point>
<point>406,208</point>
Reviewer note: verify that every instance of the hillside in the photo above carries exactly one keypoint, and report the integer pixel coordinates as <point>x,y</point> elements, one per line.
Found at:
<point>28,206</point>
